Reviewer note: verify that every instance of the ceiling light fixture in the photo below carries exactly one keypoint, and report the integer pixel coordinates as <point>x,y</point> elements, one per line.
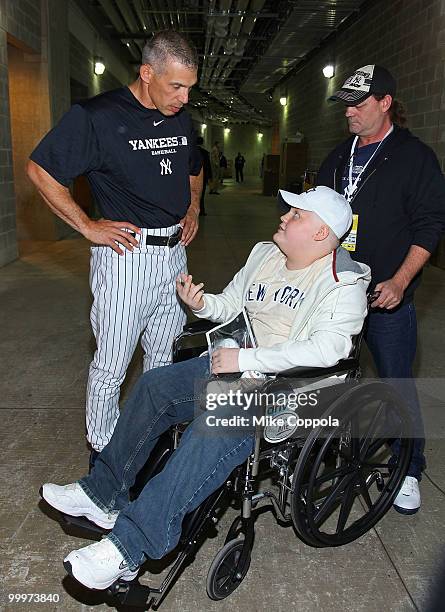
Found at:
<point>99,66</point>
<point>204,126</point>
<point>329,71</point>
<point>283,100</point>
<point>226,131</point>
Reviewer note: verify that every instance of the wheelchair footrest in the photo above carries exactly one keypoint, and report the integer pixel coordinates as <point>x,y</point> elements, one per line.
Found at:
<point>133,594</point>
<point>83,523</point>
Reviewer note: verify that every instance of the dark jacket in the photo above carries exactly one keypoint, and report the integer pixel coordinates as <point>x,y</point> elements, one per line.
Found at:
<point>400,202</point>
<point>239,161</point>
<point>206,165</point>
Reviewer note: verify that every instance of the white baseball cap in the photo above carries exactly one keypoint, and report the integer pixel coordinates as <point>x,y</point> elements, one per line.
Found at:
<point>329,205</point>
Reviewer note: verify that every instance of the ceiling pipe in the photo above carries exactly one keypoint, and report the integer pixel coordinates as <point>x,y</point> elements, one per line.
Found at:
<point>210,23</point>
<point>205,71</point>
<point>170,17</point>
<point>237,21</point>
<point>119,25</point>
<point>175,14</point>
<point>221,31</point>
<point>230,42</point>
<point>130,21</point>
<point>248,24</point>
<point>113,15</point>
<point>162,21</point>
<point>127,15</point>
<point>146,22</point>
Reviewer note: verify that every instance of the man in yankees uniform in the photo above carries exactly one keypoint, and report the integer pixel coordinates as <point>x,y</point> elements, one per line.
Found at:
<point>136,146</point>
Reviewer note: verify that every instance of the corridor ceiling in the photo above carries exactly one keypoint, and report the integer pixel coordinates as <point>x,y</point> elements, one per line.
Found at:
<point>246,47</point>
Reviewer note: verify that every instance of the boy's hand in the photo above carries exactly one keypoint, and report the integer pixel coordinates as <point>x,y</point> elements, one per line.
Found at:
<point>225,360</point>
<point>189,293</point>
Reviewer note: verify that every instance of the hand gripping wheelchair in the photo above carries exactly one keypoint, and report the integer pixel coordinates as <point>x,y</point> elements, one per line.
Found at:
<point>331,484</point>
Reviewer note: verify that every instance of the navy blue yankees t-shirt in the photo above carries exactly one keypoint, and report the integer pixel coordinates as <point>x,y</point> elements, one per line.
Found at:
<point>137,160</point>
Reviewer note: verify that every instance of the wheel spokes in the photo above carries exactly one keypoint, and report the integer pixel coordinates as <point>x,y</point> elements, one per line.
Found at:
<point>364,490</point>
<point>329,504</point>
<point>355,438</point>
<point>224,575</point>
<point>346,507</point>
<point>373,448</point>
<point>368,436</point>
<point>337,473</point>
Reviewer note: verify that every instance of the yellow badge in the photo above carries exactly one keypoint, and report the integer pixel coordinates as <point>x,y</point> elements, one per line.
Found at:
<point>351,239</point>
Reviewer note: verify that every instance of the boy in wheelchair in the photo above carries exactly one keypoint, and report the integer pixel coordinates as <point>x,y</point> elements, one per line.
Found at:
<point>306,299</point>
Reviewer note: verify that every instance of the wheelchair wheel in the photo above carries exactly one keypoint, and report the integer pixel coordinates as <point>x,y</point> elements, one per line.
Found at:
<point>224,574</point>
<point>346,476</point>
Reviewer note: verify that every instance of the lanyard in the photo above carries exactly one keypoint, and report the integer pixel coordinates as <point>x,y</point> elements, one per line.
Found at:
<point>352,185</point>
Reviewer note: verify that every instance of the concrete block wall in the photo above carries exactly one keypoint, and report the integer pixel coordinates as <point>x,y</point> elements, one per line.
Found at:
<point>8,248</point>
<point>34,94</point>
<point>29,110</point>
<point>58,58</point>
<point>81,69</point>
<point>19,20</point>
<point>84,45</point>
<point>406,36</point>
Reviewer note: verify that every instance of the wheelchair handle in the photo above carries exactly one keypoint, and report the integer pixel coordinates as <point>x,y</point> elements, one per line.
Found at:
<point>373,296</point>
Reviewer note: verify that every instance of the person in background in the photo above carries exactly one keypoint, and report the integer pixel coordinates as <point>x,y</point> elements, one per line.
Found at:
<point>207,173</point>
<point>222,166</point>
<point>239,167</point>
<point>214,161</point>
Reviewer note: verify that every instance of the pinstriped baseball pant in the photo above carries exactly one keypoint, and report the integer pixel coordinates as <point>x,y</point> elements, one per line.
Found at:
<point>134,297</point>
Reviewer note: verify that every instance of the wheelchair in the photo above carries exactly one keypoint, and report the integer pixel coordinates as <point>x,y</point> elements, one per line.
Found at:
<point>330,484</point>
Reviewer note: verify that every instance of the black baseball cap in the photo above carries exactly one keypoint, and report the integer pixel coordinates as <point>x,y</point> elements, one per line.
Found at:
<point>365,82</point>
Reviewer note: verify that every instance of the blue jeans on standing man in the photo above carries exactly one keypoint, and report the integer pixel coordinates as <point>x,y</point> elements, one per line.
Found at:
<point>150,526</point>
<point>391,336</point>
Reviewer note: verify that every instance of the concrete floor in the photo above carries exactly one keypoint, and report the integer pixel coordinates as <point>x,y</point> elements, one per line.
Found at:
<point>46,346</point>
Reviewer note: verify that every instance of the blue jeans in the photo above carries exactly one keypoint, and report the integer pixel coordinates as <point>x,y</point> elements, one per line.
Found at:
<point>150,526</point>
<point>392,339</point>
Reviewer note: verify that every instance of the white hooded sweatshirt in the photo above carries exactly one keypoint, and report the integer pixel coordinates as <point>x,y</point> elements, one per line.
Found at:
<point>321,334</point>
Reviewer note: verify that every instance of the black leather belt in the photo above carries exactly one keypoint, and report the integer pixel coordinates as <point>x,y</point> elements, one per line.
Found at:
<point>169,241</point>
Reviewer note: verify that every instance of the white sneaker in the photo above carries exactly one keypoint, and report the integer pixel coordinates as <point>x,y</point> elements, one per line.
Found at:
<point>408,497</point>
<point>72,499</point>
<point>98,566</point>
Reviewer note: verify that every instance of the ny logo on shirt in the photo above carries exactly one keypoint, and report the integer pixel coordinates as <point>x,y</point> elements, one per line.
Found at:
<point>166,166</point>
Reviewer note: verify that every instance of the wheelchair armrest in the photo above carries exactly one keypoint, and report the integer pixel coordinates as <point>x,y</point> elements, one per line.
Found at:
<point>198,327</point>
<point>344,365</point>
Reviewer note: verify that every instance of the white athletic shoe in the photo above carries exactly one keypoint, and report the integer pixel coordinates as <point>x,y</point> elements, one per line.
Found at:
<point>408,497</point>
<point>72,499</point>
<point>98,566</point>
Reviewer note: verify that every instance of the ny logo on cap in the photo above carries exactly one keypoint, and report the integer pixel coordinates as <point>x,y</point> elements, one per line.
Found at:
<point>361,79</point>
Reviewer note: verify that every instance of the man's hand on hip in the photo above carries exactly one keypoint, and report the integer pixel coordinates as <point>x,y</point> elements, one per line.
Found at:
<point>189,224</point>
<point>391,294</point>
<point>110,233</point>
